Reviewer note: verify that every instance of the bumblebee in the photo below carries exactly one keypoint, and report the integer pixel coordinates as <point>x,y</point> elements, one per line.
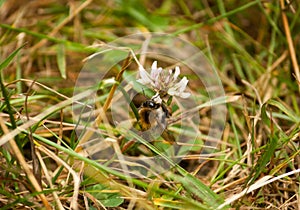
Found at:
<point>153,116</point>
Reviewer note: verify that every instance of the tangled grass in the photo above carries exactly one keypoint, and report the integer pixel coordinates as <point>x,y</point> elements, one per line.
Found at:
<point>254,47</point>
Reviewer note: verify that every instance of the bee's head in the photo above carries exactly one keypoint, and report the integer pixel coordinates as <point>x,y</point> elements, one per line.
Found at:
<point>150,104</point>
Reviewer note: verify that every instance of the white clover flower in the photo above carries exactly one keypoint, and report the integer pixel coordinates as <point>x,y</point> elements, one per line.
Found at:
<point>164,81</point>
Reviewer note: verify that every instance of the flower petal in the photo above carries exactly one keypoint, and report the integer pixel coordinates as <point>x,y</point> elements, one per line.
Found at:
<point>172,91</point>
<point>145,77</point>
<point>166,81</point>
<point>157,73</point>
<point>154,65</point>
<point>182,84</point>
<point>168,77</point>
<point>153,69</point>
<point>177,72</point>
<point>184,95</point>
<point>178,89</point>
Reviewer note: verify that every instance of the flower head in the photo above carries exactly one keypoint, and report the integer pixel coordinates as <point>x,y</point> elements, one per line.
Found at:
<point>164,81</point>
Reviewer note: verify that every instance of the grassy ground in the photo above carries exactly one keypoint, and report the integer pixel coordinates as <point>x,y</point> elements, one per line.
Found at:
<point>253,46</point>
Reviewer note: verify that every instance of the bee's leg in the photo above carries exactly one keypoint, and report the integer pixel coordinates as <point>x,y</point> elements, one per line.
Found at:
<point>166,110</point>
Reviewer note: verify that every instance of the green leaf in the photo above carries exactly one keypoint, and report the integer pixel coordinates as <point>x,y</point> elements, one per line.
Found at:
<point>107,197</point>
<point>265,158</point>
<point>68,44</point>
<point>6,97</point>
<point>196,187</point>
<point>270,147</point>
<point>293,116</point>
<point>264,115</point>
<point>173,204</point>
<point>289,114</point>
<point>61,60</point>
<point>7,61</point>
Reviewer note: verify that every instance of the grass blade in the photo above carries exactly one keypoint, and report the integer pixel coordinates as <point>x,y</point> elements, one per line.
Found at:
<point>61,60</point>
<point>10,111</point>
<point>7,61</point>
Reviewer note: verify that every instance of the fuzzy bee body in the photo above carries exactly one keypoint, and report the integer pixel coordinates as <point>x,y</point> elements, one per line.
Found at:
<point>153,116</point>
<point>150,115</point>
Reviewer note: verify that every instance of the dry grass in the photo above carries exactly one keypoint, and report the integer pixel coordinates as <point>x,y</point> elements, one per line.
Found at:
<point>254,46</point>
